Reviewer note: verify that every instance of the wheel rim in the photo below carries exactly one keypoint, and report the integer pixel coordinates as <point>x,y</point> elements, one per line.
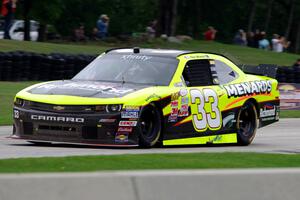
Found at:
<point>148,124</point>
<point>247,121</point>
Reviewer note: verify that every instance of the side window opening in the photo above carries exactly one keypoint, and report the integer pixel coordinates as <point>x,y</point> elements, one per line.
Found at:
<point>224,72</point>
<point>198,73</point>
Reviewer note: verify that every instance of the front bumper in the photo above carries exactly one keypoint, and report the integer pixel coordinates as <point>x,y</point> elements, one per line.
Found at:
<point>101,129</point>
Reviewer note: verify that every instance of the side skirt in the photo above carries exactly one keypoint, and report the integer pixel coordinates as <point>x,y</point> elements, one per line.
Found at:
<point>230,138</point>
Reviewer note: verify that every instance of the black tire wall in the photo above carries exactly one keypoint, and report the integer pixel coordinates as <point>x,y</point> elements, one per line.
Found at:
<point>26,66</point>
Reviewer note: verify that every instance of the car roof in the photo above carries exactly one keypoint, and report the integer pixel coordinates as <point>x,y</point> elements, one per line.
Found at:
<point>172,53</point>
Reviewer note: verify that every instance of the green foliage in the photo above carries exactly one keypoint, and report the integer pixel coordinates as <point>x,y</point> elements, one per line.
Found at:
<point>46,11</point>
<point>125,16</point>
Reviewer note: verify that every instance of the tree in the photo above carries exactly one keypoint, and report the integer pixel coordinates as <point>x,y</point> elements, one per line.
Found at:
<point>252,15</point>
<point>269,14</point>
<point>290,19</point>
<point>45,12</point>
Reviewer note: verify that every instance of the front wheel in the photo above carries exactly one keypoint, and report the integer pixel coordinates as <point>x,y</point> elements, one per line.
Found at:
<point>149,126</point>
<point>247,124</point>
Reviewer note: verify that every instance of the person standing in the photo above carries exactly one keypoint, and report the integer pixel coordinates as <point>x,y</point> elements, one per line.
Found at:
<point>263,43</point>
<point>210,34</point>
<point>7,11</point>
<point>102,26</point>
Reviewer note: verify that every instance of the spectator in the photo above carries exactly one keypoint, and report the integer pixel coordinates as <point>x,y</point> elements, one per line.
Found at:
<point>7,11</point>
<point>276,44</point>
<point>240,38</point>
<point>297,63</point>
<point>151,29</point>
<point>264,43</point>
<point>279,43</point>
<point>102,26</point>
<point>79,34</point>
<point>210,34</point>
<point>257,37</point>
<point>94,35</point>
<point>285,43</point>
<point>250,39</point>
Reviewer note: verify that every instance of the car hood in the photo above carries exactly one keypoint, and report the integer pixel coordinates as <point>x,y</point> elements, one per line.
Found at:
<point>95,89</point>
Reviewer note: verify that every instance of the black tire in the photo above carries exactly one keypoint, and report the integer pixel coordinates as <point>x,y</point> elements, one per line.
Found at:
<point>247,124</point>
<point>150,126</point>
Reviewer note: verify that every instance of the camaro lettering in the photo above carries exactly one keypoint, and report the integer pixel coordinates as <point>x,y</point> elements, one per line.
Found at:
<point>57,119</point>
<point>244,89</point>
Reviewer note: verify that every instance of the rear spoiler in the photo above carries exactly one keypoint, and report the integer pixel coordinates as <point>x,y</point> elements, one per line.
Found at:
<point>261,70</point>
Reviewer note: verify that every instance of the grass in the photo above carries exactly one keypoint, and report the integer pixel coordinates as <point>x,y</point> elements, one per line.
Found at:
<point>241,55</point>
<point>149,161</point>
<point>7,92</point>
<point>9,89</point>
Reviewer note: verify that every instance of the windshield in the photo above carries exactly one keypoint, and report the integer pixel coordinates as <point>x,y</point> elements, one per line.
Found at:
<point>132,68</point>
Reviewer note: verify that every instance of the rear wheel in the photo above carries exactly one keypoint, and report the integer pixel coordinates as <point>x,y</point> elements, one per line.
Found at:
<point>247,124</point>
<point>150,126</point>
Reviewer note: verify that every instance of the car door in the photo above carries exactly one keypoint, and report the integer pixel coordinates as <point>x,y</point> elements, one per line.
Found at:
<point>204,92</point>
<point>195,109</point>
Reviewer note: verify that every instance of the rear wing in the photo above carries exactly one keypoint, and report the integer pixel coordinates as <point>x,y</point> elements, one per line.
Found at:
<point>261,70</point>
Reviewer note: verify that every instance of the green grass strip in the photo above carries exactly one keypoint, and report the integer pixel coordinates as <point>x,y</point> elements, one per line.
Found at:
<point>149,161</point>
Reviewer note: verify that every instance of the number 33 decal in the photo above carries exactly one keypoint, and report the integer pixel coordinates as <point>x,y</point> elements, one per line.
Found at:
<point>206,113</point>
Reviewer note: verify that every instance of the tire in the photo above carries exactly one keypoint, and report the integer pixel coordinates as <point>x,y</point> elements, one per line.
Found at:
<point>150,126</point>
<point>247,124</point>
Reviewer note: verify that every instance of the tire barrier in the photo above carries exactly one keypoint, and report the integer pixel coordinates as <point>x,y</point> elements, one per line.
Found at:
<point>288,74</point>
<point>24,66</point>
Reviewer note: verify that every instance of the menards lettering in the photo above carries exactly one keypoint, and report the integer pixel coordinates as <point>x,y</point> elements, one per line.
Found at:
<point>248,88</point>
<point>57,119</point>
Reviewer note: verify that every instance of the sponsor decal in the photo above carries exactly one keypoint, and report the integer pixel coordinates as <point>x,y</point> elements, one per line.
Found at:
<point>196,57</point>
<point>184,104</point>
<point>248,88</point>
<point>268,110</point>
<point>184,101</point>
<point>172,118</point>
<point>121,137</point>
<point>106,89</point>
<point>174,112</point>
<point>132,108</point>
<point>130,114</point>
<point>57,119</point>
<point>184,111</point>
<point>136,57</point>
<point>183,92</point>
<point>16,114</point>
<point>107,120</point>
<point>175,96</point>
<point>125,129</point>
<point>174,104</point>
<point>179,84</point>
<point>128,123</point>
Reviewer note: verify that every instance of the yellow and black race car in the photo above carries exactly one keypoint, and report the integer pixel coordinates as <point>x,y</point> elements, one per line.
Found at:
<point>145,97</point>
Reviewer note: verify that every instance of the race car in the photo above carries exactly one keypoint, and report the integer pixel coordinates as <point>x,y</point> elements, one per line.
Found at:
<point>146,97</point>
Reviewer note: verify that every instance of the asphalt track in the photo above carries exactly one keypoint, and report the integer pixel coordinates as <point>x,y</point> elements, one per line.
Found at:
<point>281,137</point>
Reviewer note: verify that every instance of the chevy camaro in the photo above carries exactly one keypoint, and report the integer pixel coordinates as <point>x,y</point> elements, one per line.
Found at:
<point>147,97</point>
